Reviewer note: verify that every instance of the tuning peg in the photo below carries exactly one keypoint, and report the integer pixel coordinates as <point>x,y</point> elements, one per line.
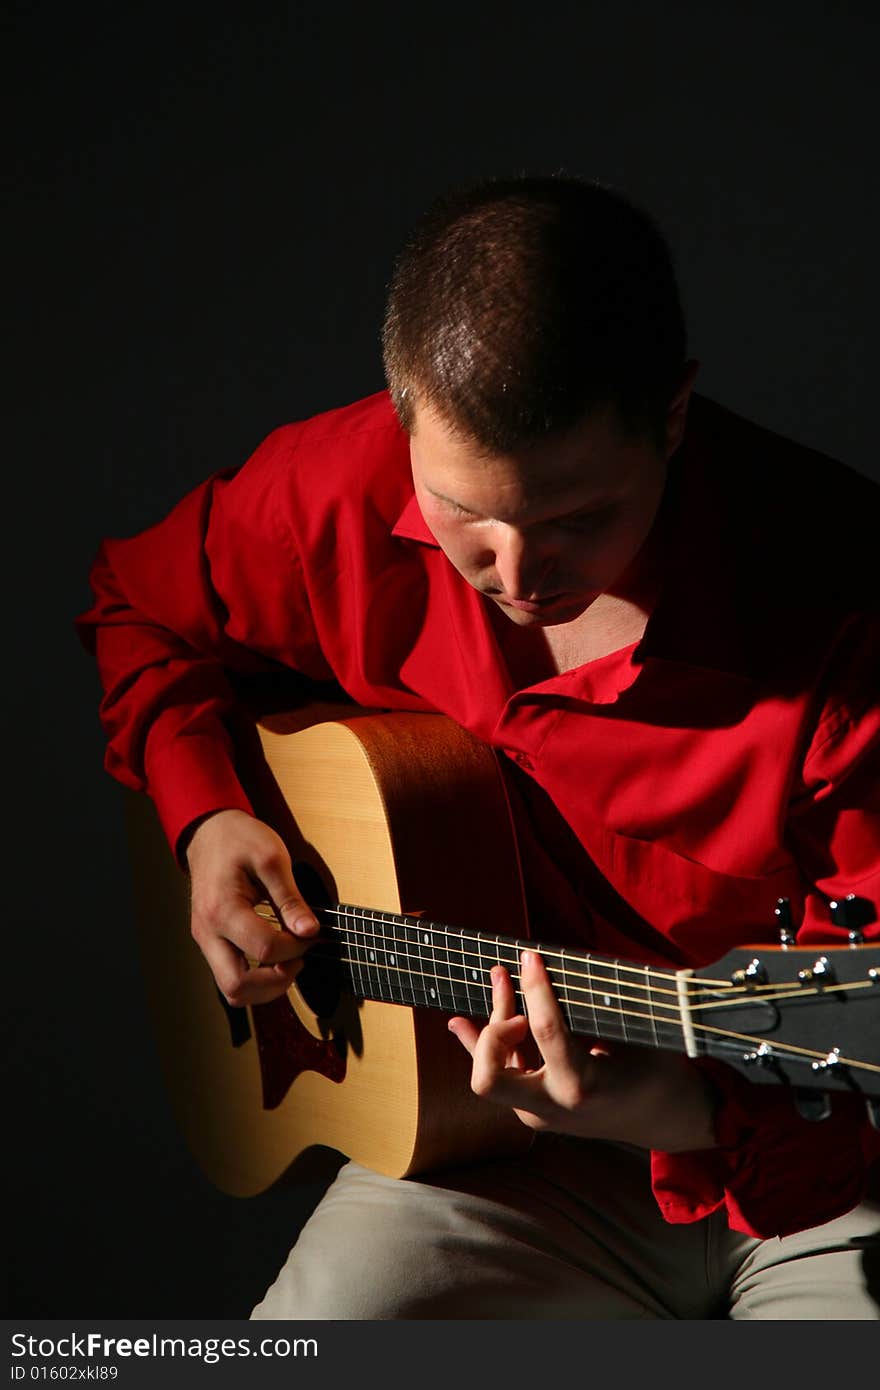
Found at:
<point>753,975</point>
<point>853,913</point>
<point>821,973</point>
<point>782,913</point>
<point>830,1062</point>
<point>812,1105</point>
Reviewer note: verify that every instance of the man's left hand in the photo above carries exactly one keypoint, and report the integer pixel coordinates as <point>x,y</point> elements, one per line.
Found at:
<point>597,1090</point>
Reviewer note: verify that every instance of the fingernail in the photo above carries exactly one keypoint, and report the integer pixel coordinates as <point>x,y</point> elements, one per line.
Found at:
<point>526,959</point>
<point>304,924</point>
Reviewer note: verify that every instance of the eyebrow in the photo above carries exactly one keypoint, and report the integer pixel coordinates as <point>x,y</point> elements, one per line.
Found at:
<point>451,500</point>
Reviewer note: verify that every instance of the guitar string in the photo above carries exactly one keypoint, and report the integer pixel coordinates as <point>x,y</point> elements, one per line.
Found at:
<point>727,1037</point>
<point>731,1038</point>
<point>356,916</point>
<point>745,995</point>
<point>737,997</point>
<point>359,922</point>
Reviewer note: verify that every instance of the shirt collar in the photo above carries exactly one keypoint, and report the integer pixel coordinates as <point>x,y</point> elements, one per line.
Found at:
<point>411,525</point>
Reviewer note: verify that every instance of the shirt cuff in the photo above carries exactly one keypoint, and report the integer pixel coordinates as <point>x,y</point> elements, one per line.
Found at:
<point>187,779</point>
<point>773,1171</point>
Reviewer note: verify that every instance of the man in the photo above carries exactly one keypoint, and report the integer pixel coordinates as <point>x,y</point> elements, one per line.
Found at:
<point>625,590</point>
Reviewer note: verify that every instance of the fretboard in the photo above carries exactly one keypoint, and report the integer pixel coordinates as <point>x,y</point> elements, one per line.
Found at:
<point>407,960</point>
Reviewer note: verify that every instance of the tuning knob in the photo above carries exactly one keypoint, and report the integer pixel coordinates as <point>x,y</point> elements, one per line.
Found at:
<point>830,1063</point>
<point>821,973</point>
<point>782,913</point>
<point>753,975</point>
<point>763,1056</point>
<point>853,913</point>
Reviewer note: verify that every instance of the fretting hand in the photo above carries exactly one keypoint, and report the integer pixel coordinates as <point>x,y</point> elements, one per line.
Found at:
<point>613,1091</point>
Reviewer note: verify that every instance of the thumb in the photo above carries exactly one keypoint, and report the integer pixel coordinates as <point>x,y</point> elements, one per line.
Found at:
<point>291,906</point>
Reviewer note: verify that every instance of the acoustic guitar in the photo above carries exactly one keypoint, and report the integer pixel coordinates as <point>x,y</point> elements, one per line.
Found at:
<point>401,837</point>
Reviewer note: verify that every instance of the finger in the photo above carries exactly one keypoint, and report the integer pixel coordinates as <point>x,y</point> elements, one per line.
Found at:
<point>276,876</point>
<point>546,1023</point>
<point>495,1048</point>
<point>466,1031</point>
<point>256,938</point>
<point>503,1006</point>
<point>503,995</point>
<point>241,985</point>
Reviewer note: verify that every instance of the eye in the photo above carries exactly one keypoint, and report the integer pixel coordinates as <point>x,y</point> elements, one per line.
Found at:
<point>588,520</point>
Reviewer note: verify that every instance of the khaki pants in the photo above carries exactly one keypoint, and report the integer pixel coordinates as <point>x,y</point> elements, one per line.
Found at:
<point>569,1231</point>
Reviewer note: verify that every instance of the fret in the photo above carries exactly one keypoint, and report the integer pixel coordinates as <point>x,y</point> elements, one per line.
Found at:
<point>463,971</point>
<point>370,957</point>
<point>379,957</point>
<point>508,953</point>
<point>573,992</point>
<point>415,977</point>
<point>604,991</point>
<point>427,951</point>
<point>399,981</point>
<point>441,956</point>
<point>374,957</point>
<point>652,1018</point>
<point>349,948</point>
<point>354,942</point>
<point>593,1026</point>
<point>485,1006</point>
<point>468,975</point>
<point>636,1004</point>
<point>383,951</point>
<point>563,993</point>
<point>618,1002</point>
<point>454,971</point>
<point>390,957</point>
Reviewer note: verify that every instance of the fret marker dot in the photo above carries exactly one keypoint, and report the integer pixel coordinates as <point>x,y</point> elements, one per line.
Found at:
<point>426,938</point>
<point>433,994</point>
<point>372,955</point>
<point>474,975</point>
<point>607,998</point>
<point>391,958</point>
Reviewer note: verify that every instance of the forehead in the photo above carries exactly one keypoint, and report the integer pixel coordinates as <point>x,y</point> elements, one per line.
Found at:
<point>593,462</point>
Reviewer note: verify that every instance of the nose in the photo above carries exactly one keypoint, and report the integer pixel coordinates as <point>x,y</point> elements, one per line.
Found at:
<point>523,562</point>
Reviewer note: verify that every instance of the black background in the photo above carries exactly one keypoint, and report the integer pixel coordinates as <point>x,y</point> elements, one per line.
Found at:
<point>208,200</point>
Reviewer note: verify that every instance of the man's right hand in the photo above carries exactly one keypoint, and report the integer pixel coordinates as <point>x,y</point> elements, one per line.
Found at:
<point>236,861</point>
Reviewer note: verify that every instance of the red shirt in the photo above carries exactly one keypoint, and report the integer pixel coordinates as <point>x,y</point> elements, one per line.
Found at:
<point>665,795</point>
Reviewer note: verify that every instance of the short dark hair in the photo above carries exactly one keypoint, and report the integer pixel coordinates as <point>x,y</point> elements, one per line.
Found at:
<point>519,306</point>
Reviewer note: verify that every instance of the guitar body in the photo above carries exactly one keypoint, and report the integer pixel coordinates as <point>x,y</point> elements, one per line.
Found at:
<point>396,812</point>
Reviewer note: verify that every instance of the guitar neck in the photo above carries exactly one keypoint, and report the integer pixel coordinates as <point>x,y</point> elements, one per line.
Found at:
<point>398,959</point>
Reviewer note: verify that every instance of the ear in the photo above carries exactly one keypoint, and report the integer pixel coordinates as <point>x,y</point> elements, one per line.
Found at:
<point>676,416</point>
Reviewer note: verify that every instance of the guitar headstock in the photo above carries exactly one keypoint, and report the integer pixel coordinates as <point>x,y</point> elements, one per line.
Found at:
<point>806,1017</point>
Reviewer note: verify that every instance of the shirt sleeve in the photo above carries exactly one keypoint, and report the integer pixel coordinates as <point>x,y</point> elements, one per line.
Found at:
<point>774,1171</point>
<point>215,588</point>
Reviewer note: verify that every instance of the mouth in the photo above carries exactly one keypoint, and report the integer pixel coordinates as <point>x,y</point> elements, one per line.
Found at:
<point>534,605</point>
